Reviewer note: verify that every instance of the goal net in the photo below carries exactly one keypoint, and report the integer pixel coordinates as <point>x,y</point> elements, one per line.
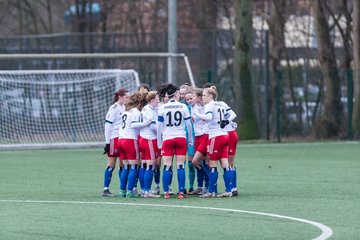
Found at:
<point>58,107</point>
<point>60,100</point>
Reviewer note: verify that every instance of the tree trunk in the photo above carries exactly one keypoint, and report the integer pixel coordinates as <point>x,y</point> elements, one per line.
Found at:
<point>205,16</point>
<point>248,128</point>
<point>329,124</point>
<point>356,41</point>
<point>276,52</point>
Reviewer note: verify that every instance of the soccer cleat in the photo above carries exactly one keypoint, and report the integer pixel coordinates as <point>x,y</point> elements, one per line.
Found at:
<point>151,195</point>
<point>205,190</point>
<point>196,191</point>
<point>166,195</point>
<point>181,195</point>
<point>131,194</point>
<point>122,193</point>
<point>156,191</point>
<point>235,193</point>
<point>208,195</point>
<point>225,194</point>
<point>107,193</point>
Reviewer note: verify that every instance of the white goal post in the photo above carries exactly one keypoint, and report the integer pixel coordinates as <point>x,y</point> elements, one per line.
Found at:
<point>65,108</point>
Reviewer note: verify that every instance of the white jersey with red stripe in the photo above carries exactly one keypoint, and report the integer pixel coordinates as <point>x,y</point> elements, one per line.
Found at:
<point>126,130</point>
<point>215,112</point>
<point>112,121</point>
<point>199,124</point>
<point>173,116</point>
<point>149,115</point>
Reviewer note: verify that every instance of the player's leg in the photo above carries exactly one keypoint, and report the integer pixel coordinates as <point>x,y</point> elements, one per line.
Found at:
<point>132,152</point>
<point>233,139</point>
<point>228,173</point>
<point>149,155</point>
<point>157,174</point>
<point>111,162</point>
<point>180,152</point>
<point>191,168</point>
<point>108,175</point>
<point>167,152</point>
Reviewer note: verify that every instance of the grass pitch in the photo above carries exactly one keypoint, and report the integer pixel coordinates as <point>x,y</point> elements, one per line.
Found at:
<point>55,194</point>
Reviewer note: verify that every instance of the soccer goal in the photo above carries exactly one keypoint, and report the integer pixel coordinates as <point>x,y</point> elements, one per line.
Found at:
<point>65,107</point>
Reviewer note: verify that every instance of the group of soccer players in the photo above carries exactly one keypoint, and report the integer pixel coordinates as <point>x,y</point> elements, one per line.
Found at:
<point>150,128</point>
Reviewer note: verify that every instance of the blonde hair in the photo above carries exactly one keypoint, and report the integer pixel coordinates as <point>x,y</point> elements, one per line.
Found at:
<point>198,92</point>
<point>150,96</point>
<point>211,91</point>
<point>135,100</point>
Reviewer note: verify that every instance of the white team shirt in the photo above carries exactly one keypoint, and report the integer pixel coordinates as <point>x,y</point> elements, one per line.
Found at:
<point>215,112</point>
<point>173,116</point>
<point>199,124</point>
<point>229,115</point>
<point>149,116</point>
<point>113,121</point>
<point>127,129</point>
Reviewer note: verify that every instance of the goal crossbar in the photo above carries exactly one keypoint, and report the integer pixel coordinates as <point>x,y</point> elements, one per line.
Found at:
<point>101,55</point>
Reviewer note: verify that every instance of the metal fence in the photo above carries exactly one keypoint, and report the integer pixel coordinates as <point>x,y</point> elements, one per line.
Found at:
<point>211,58</point>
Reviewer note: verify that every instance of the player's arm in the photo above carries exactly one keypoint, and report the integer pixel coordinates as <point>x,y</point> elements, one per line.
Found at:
<point>159,128</point>
<point>153,124</point>
<point>108,126</point>
<point>230,114</point>
<point>189,125</point>
<point>208,113</point>
<point>137,120</point>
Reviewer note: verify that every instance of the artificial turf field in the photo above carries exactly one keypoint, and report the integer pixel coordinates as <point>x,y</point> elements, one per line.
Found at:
<point>313,190</point>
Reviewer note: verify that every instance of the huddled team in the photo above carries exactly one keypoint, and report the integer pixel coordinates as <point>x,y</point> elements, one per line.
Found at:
<point>148,128</point>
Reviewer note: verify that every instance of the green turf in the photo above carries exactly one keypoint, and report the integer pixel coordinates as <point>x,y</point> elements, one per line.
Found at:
<point>315,181</point>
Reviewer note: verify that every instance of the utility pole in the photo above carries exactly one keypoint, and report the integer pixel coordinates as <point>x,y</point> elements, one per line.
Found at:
<point>172,41</point>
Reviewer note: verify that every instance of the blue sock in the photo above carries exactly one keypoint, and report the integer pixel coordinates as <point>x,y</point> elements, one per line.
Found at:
<point>124,177</point>
<point>137,175</point>
<point>181,177</point>
<point>148,176</point>
<point>132,177</point>
<point>200,176</point>
<point>228,177</point>
<point>107,176</point>
<point>119,173</point>
<point>234,177</point>
<point>206,173</point>
<point>141,176</point>
<point>213,179</point>
<point>166,177</point>
<point>191,174</point>
<point>171,175</point>
<point>157,175</point>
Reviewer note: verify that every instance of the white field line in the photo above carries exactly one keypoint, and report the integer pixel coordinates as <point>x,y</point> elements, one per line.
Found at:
<point>326,231</point>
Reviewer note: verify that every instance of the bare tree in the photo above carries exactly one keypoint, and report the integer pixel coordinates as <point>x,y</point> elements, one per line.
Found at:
<point>356,49</point>
<point>277,49</point>
<point>204,15</point>
<point>248,128</point>
<point>330,122</point>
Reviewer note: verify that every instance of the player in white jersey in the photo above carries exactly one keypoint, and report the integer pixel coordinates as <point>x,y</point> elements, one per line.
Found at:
<point>217,143</point>
<point>194,100</point>
<point>112,123</point>
<point>148,142</point>
<point>228,125</point>
<point>173,116</point>
<point>128,145</point>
